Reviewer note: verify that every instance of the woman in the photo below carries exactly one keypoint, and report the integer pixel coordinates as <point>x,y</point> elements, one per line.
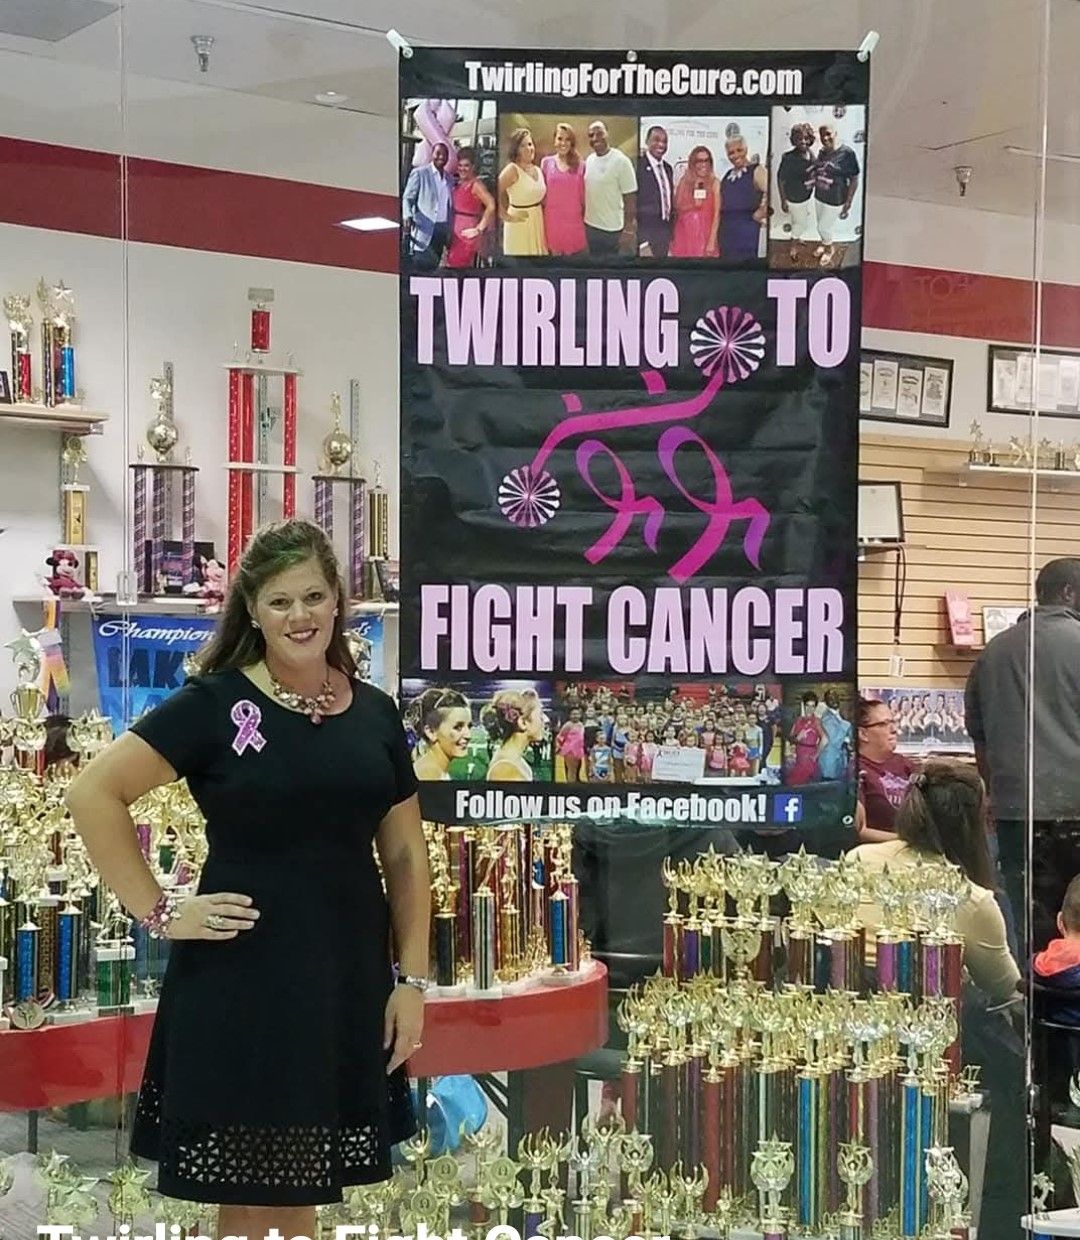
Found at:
<point>564,203</point>
<point>742,202</point>
<point>836,180</point>
<point>474,209</point>
<point>697,208</point>
<point>521,192</point>
<point>809,739</point>
<point>884,774</point>
<point>755,739</point>
<point>943,816</point>
<point>442,721</point>
<point>275,1071</point>
<point>794,181</point>
<point>619,737</point>
<point>570,746</point>
<point>515,720</point>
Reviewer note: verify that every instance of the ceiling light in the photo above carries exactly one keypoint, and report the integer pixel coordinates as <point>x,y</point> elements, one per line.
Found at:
<point>370,223</point>
<point>331,98</point>
<point>1056,159</point>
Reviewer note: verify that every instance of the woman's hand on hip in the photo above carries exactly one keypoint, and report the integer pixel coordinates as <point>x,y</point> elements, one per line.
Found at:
<point>217,917</point>
<point>404,1024</point>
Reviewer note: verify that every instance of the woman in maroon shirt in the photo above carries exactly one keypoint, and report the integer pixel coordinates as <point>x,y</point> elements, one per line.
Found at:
<point>884,774</point>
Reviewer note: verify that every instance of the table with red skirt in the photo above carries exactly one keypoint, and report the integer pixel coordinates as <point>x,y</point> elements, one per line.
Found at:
<point>532,1034</point>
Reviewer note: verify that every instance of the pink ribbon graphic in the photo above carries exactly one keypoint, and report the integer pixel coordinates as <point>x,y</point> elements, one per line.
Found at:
<point>727,345</point>
<point>721,510</point>
<point>247,717</point>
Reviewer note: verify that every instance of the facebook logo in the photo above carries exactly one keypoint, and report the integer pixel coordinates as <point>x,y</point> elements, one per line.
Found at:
<point>787,809</point>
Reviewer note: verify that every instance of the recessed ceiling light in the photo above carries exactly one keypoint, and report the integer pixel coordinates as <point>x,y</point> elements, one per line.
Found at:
<point>331,98</point>
<point>370,223</point>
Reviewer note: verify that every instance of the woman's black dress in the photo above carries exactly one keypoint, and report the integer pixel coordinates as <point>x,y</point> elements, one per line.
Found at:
<point>265,1082</point>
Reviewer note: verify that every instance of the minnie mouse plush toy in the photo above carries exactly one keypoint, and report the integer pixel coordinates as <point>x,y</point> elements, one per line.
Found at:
<point>63,582</point>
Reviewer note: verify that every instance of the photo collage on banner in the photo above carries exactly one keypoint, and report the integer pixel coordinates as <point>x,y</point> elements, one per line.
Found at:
<point>629,415</point>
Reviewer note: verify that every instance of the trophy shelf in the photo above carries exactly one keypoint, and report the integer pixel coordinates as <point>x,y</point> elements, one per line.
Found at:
<point>247,368</point>
<point>72,419</point>
<point>967,473</point>
<point>373,607</point>
<point>170,606</point>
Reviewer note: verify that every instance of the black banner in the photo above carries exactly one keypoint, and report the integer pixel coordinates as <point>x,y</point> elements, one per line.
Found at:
<point>629,390</point>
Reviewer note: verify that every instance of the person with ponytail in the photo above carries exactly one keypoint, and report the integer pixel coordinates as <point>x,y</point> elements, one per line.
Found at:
<point>943,817</point>
<point>275,1074</point>
<point>441,718</point>
<point>515,720</point>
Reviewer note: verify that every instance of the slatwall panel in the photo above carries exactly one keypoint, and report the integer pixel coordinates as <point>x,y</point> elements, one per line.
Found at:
<point>974,538</point>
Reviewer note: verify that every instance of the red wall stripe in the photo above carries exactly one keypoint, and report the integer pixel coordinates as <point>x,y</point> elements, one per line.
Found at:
<point>74,190</point>
<point>962,303</point>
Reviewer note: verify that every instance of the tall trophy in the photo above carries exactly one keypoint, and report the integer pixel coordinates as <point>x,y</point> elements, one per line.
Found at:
<point>162,436</point>
<point>338,449</point>
<point>20,324</point>
<point>57,346</point>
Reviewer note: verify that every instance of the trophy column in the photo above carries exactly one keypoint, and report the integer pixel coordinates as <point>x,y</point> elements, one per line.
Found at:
<point>248,451</point>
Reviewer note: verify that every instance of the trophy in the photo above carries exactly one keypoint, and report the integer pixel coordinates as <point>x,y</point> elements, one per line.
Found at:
<point>980,453</point>
<point>855,1166</point>
<point>771,1169</point>
<point>338,449</point>
<point>20,323</point>
<point>162,436</point>
<point>260,298</point>
<point>249,425</point>
<point>378,538</point>
<point>74,562</point>
<point>57,350</point>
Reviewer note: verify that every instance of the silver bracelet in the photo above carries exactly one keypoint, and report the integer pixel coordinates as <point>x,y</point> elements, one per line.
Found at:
<point>417,983</point>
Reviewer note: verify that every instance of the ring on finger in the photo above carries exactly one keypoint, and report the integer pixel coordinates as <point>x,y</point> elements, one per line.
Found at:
<point>214,922</point>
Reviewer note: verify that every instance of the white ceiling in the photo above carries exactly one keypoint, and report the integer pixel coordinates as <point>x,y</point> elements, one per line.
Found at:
<point>953,81</point>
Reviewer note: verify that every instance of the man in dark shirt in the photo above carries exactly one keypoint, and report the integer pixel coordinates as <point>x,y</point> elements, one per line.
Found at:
<point>1043,765</point>
<point>884,775</point>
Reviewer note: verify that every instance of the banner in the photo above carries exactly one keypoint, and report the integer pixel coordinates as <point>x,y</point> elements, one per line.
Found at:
<point>630,309</point>
<point>140,659</point>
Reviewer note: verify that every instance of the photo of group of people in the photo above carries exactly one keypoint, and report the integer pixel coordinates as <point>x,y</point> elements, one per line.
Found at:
<point>926,719</point>
<point>694,733</point>
<point>501,733</point>
<point>819,733</point>
<point>526,185</point>
<point>818,157</point>
<point>449,165</point>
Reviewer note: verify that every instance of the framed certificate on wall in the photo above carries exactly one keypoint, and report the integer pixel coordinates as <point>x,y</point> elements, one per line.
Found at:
<point>1021,380</point>
<point>905,387</point>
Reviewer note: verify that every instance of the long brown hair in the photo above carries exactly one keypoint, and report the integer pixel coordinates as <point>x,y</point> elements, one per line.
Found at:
<point>572,156</point>
<point>276,547</point>
<point>944,812</point>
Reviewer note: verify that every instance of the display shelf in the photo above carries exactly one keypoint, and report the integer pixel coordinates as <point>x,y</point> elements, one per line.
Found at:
<point>175,606</point>
<point>107,602</point>
<point>72,419</point>
<point>965,471</point>
<point>250,368</point>
<point>373,607</point>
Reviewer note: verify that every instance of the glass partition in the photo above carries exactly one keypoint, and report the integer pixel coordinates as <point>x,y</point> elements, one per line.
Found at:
<point>207,196</point>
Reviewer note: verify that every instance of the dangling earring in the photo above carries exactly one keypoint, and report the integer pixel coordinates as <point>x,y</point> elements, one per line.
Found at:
<point>254,624</point>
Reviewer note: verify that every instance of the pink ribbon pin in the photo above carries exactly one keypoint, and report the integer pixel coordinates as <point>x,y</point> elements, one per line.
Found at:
<point>247,717</point>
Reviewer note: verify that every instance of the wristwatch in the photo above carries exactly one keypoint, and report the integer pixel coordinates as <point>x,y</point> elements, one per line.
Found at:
<point>417,983</point>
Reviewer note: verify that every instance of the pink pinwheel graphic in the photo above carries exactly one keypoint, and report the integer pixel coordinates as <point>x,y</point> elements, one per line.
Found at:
<point>727,345</point>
